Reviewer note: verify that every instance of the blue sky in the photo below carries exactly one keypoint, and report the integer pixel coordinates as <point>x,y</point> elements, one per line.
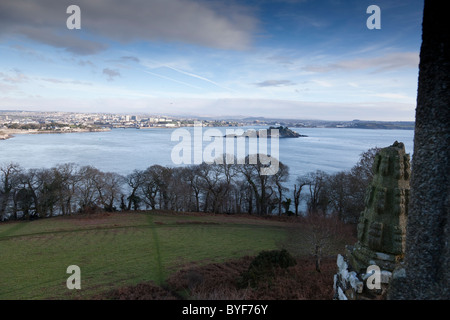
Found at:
<point>301,59</point>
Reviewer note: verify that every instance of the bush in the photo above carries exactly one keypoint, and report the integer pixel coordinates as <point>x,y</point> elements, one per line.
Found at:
<point>264,266</point>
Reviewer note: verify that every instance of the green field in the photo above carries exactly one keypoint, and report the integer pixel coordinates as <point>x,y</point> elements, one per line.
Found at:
<point>115,250</point>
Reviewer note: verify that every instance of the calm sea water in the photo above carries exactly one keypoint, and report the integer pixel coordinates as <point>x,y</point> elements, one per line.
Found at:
<point>123,150</point>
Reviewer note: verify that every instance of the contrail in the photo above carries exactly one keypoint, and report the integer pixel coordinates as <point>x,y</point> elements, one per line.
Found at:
<point>198,77</point>
<point>174,80</point>
<point>193,75</point>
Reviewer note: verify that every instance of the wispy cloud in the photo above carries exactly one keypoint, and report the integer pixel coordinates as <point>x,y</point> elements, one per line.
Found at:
<point>14,77</point>
<point>111,74</point>
<point>323,83</point>
<point>393,96</point>
<point>275,83</point>
<point>64,81</point>
<point>130,58</point>
<point>387,62</point>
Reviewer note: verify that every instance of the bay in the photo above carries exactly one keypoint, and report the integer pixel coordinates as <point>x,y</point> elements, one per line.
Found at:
<point>123,150</point>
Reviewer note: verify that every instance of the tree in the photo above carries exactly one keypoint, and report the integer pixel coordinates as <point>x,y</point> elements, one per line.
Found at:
<point>8,183</point>
<point>317,200</point>
<point>23,203</point>
<point>192,180</point>
<point>260,183</point>
<point>156,186</point>
<point>67,180</point>
<point>135,180</point>
<point>180,189</point>
<point>363,168</point>
<point>162,177</point>
<point>108,187</point>
<point>88,186</point>
<point>279,178</point>
<point>298,187</point>
<point>30,182</point>
<point>346,190</point>
<point>212,185</point>
<point>149,188</point>
<point>48,192</point>
<point>322,233</point>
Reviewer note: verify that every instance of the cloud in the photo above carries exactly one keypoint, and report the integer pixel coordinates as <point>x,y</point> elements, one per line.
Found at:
<point>86,63</point>
<point>388,62</point>
<point>16,77</point>
<point>323,83</point>
<point>57,37</point>
<point>111,73</point>
<point>71,82</point>
<point>6,88</point>
<point>283,60</point>
<point>205,23</point>
<point>130,58</point>
<point>394,96</point>
<point>274,83</point>
<point>30,53</point>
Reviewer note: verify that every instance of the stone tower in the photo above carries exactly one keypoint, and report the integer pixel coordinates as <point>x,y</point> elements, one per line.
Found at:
<point>426,272</point>
<point>381,228</point>
<point>382,225</point>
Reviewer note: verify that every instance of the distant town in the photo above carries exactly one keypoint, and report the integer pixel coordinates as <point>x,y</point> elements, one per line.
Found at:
<point>74,122</point>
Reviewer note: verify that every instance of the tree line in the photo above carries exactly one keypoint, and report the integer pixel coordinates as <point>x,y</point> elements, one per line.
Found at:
<point>69,189</point>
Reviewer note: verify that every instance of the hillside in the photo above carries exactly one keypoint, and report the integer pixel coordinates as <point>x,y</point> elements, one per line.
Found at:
<point>122,252</point>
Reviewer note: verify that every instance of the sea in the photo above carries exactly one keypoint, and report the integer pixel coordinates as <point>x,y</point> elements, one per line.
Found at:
<point>124,150</point>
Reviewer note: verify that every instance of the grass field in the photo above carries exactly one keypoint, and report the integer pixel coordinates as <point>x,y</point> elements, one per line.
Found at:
<point>120,249</point>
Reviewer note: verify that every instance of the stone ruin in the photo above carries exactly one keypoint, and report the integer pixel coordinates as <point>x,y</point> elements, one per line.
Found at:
<point>381,229</point>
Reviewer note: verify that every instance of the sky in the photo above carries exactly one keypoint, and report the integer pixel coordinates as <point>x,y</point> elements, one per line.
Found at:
<point>296,59</point>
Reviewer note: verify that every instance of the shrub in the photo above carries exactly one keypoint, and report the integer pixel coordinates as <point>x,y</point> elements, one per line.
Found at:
<point>264,266</point>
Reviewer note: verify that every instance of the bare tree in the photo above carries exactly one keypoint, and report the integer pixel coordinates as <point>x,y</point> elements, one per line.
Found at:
<point>108,187</point>
<point>67,179</point>
<point>135,181</point>
<point>322,233</point>
<point>87,191</point>
<point>298,187</point>
<point>8,183</point>
<point>150,189</point>
<point>192,180</point>
<point>279,178</point>
<point>316,182</point>
<point>212,184</point>
<point>261,184</point>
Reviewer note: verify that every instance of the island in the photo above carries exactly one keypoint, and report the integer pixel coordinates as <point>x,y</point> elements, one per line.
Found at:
<point>284,132</point>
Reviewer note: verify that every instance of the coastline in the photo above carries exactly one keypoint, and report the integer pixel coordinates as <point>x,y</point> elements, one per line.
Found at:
<point>4,136</point>
<point>9,133</point>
